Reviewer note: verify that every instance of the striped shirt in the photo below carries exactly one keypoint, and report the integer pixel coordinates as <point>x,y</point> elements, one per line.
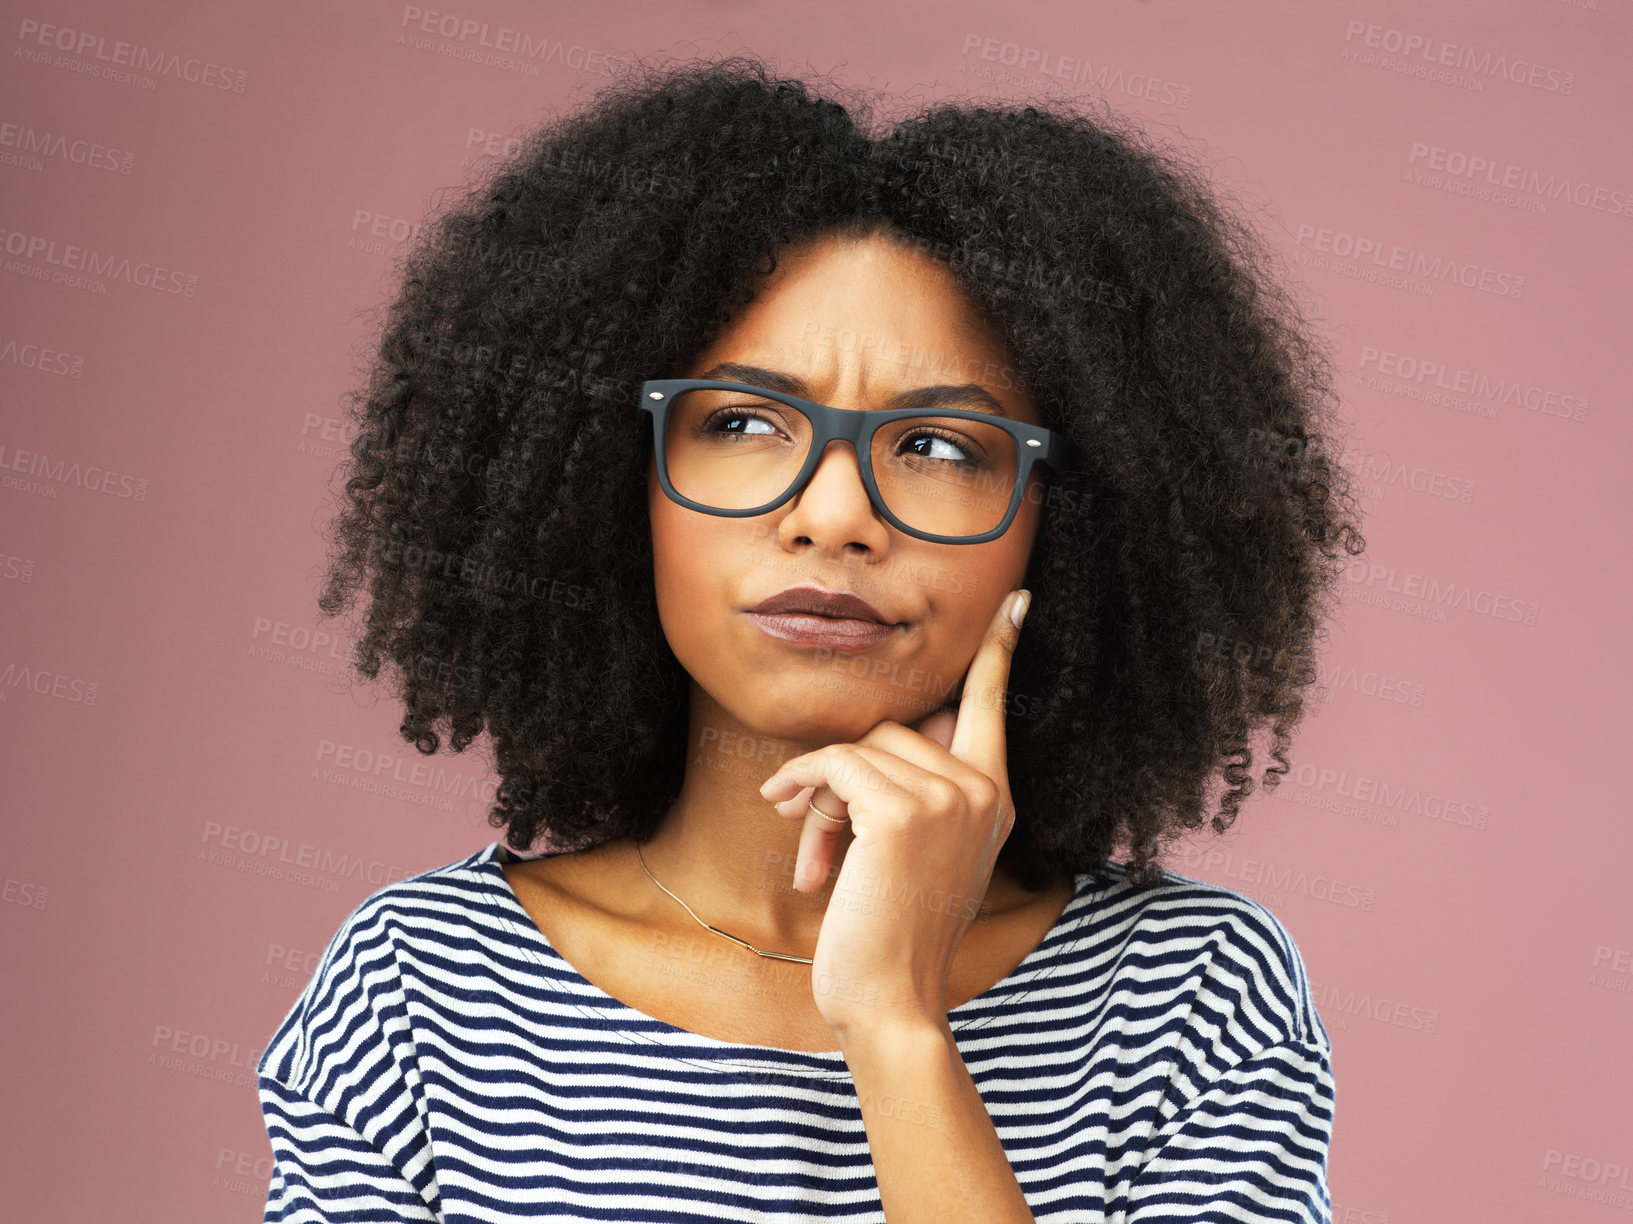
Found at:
<point>1157,1056</point>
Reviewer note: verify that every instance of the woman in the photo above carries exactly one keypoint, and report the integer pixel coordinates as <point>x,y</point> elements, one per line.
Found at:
<point>831,927</point>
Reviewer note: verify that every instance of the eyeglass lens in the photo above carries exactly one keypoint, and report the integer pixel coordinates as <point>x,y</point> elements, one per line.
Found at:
<point>733,450</point>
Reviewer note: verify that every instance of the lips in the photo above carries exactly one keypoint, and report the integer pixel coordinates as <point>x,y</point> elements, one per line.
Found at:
<point>831,620</point>
<point>823,632</point>
<point>812,601</point>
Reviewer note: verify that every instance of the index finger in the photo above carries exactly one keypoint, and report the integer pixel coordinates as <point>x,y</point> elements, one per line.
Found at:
<point>978,738</point>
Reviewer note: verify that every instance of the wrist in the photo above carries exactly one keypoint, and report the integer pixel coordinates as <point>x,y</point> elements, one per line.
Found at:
<point>896,1041</point>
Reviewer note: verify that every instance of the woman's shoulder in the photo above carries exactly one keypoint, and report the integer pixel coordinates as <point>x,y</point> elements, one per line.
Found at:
<point>357,981</point>
<point>1209,942</point>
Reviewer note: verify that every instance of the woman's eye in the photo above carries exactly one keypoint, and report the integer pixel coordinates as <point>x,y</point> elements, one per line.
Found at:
<point>939,448</point>
<point>722,421</point>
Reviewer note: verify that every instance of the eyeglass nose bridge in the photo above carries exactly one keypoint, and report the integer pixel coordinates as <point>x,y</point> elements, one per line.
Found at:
<point>837,425</point>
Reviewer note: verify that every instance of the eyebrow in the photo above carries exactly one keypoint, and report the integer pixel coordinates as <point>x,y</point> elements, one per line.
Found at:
<point>926,399</point>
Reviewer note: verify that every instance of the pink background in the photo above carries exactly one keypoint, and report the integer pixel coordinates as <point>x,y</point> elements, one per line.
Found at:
<point>1450,853</point>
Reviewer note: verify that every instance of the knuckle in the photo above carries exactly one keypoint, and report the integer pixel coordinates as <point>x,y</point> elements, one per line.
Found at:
<point>985,794</point>
<point>945,794</point>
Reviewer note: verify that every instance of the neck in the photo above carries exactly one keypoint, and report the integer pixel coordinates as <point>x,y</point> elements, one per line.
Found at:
<point>730,855</point>
<point>725,850</point>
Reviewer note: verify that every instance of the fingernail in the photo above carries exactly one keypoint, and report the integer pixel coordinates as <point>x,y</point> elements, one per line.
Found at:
<point>1017,610</point>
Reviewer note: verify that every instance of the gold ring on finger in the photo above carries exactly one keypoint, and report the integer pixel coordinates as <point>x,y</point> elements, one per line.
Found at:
<point>828,818</point>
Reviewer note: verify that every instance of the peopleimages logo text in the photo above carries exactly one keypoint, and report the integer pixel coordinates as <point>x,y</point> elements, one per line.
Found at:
<point>1466,59</point>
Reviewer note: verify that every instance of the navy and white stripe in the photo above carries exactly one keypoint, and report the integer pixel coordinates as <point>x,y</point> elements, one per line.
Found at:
<point>1157,1057</point>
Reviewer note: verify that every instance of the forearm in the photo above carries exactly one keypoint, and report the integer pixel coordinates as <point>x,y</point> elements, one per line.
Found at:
<point>935,1149</point>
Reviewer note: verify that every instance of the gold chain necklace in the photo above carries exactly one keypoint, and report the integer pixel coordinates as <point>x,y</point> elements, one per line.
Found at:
<point>804,960</point>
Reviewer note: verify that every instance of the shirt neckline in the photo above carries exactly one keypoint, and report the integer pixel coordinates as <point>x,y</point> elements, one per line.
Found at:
<point>715,1054</point>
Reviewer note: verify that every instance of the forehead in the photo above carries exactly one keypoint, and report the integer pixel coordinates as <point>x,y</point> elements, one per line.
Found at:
<point>871,317</point>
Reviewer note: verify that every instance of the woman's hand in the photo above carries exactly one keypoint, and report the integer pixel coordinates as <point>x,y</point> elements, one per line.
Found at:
<point>930,808</point>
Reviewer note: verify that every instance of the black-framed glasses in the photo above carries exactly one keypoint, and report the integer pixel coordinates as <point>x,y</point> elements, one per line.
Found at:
<point>951,476</point>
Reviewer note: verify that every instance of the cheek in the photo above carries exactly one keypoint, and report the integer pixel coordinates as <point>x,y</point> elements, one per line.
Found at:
<point>970,585</point>
<point>691,582</point>
<point>1024,530</point>
<point>974,580</point>
<point>668,523</point>
<point>673,545</point>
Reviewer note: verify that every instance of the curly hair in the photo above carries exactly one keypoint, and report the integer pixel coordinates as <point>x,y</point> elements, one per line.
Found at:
<point>495,496</point>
